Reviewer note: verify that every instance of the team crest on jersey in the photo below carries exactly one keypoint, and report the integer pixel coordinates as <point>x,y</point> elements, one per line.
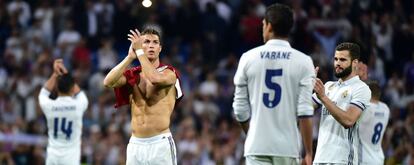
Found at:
<point>345,94</point>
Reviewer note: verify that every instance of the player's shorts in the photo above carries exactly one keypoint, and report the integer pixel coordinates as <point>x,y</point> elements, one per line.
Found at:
<point>155,150</point>
<point>63,156</point>
<point>270,160</point>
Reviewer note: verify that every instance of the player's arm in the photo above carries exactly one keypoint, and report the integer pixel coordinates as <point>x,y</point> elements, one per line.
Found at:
<point>115,77</point>
<point>165,78</point>
<point>245,126</point>
<point>316,103</point>
<point>58,69</point>
<point>80,97</point>
<point>241,107</point>
<point>346,118</point>
<point>305,109</point>
<point>50,85</point>
<point>305,126</point>
<point>51,82</point>
<point>241,104</point>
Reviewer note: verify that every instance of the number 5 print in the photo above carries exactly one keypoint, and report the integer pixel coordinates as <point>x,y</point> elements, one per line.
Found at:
<point>270,73</point>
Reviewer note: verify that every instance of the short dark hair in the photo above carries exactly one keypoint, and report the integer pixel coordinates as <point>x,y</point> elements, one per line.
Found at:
<point>354,49</point>
<point>65,83</point>
<point>281,18</point>
<point>375,89</point>
<point>155,30</point>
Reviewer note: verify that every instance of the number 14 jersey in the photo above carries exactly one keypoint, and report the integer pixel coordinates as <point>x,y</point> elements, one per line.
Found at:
<point>64,118</point>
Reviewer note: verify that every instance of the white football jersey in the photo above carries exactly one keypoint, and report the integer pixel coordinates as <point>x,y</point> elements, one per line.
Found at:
<point>337,144</point>
<point>371,130</point>
<point>64,118</point>
<point>274,84</point>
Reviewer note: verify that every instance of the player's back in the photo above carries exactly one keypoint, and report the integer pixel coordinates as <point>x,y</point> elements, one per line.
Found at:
<point>275,73</point>
<point>64,119</point>
<point>373,123</point>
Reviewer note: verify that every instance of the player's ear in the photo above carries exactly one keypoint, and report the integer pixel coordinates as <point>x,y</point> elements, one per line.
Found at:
<point>72,91</point>
<point>355,64</point>
<point>269,28</point>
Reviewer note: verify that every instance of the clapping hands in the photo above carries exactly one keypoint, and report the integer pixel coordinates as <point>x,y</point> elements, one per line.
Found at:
<point>59,68</point>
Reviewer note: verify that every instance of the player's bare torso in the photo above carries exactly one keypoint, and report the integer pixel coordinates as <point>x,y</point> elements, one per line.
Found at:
<point>151,108</point>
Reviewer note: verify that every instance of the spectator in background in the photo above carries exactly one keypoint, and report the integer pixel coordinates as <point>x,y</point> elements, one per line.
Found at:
<point>21,9</point>
<point>409,75</point>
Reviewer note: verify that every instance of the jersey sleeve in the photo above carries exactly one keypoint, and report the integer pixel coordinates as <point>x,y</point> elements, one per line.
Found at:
<point>241,104</point>
<point>316,100</point>
<point>240,78</point>
<point>361,97</point>
<point>306,84</point>
<point>44,99</point>
<point>82,100</point>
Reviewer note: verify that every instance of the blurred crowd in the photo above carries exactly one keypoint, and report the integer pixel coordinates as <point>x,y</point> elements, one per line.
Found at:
<point>204,40</point>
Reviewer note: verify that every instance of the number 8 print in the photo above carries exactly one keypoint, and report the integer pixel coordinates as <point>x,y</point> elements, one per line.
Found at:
<point>377,133</point>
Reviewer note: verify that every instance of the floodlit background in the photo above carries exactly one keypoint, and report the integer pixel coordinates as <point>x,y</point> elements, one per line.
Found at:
<point>204,40</point>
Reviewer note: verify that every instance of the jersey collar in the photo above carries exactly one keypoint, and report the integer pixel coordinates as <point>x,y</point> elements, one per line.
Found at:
<point>349,81</point>
<point>278,42</point>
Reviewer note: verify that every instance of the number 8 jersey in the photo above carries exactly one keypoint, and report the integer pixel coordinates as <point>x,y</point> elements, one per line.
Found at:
<point>64,122</point>
<point>274,85</point>
<point>374,120</point>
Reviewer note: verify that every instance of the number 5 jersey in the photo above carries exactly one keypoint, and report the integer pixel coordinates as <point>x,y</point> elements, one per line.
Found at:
<point>274,85</point>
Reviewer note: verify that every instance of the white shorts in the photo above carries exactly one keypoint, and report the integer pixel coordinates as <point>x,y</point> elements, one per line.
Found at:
<point>158,149</point>
<point>270,160</point>
<point>63,156</point>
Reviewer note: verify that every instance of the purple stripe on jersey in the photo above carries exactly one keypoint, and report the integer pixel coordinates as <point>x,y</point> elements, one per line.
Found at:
<point>316,102</point>
<point>172,150</point>
<point>362,109</point>
<point>245,120</point>
<point>305,116</point>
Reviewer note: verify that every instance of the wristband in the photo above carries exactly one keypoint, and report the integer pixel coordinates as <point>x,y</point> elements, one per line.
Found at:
<point>139,52</point>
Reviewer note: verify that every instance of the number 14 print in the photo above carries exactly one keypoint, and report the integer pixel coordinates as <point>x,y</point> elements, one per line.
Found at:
<point>66,129</point>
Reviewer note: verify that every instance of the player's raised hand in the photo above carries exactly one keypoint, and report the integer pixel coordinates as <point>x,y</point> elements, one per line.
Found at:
<point>316,71</point>
<point>319,88</point>
<point>136,39</point>
<point>131,53</point>
<point>58,67</point>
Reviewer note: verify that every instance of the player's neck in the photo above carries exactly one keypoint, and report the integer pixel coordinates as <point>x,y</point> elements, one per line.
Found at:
<point>375,101</point>
<point>155,62</point>
<point>60,94</point>
<point>273,37</point>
